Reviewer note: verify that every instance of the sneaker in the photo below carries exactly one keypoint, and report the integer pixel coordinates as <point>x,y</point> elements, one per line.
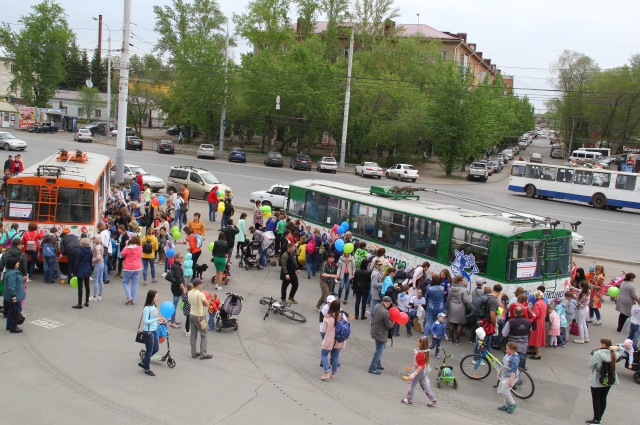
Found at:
<point>149,373</point>
<point>592,422</point>
<point>163,274</point>
<point>405,401</point>
<point>397,334</point>
<point>375,371</point>
<point>598,323</point>
<point>458,343</point>
<point>93,299</point>
<point>578,341</point>
<point>432,403</point>
<point>379,367</point>
<point>503,408</point>
<point>437,356</point>
<point>219,288</point>
<point>99,297</point>
<point>154,280</point>
<point>29,280</point>
<point>292,301</point>
<point>187,333</point>
<point>409,334</point>
<point>344,302</point>
<point>586,341</point>
<point>511,408</point>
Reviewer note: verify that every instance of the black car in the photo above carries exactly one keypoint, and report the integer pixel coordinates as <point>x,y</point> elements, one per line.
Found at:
<point>300,162</point>
<point>274,159</point>
<point>133,143</point>
<point>173,131</point>
<point>48,128</point>
<point>165,146</point>
<point>100,129</point>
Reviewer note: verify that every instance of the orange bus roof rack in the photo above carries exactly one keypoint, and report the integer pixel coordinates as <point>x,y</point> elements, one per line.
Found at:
<point>77,156</point>
<point>50,170</point>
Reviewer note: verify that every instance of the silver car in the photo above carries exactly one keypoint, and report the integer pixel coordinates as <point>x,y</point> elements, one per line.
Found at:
<point>206,151</point>
<point>83,135</point>
<point>9,142</point>
<point>130,171</point>
<point>327,163</point>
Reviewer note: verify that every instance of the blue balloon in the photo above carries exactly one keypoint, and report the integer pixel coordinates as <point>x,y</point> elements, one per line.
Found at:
<point>339,244</point>
<point>161,199</point>
<point>170,253</point>
<point>341,230</point>
<point>345,226</point>
<point>167,309</point>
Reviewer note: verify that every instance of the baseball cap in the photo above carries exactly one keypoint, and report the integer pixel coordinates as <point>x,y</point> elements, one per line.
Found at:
<point>592,269</point>
<point>480,281</point>
<point>386,299</point>
<point>442,314</point>
<point>66,230</point>
<point>330,299</point>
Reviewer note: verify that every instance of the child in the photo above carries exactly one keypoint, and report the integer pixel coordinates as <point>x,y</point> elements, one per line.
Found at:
<point>361,253</point>
<point>570,308</point>
<point>403,305</point>
<point>187,267</point>
<point>421,369</point>
<point>214,306</point>
<point>554,328</point>
<point>162,242</point>
<point>634,328</point>
<point>439,331</point>
<point>508,375</point>
<point>186,309</point>
<point>401,274</point>
<point>557,302</point>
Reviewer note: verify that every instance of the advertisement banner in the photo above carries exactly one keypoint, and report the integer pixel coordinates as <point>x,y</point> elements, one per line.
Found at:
<point>27,116</point>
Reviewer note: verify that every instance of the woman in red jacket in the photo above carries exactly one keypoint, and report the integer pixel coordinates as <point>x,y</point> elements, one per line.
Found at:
<point>31,246</point>
<point>537,337</point>
<point>212,199</point>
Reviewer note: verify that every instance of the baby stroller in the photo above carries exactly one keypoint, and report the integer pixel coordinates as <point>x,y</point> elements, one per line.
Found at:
<point>270,252</point>
<point>226,274</point>
<point>250,254</point>
<point>162,335</point>
<point>231,307</point>
<point>615,282</point>
<point>635,366</point>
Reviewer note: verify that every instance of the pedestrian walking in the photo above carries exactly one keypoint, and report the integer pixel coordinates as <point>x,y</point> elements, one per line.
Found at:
<point>421,369</point>
<point>608,354</point>
<point>197,319</point>
<point>508,376</point>
<point>150,318</point>
<point>149,248</point>
<point>380,325</point>
<point>328,275</point>
<point>289,274</point>
<point>82,270</point>
<point>627,297</point>
<point>13,292</point>
<point>220,252</point>
<point>97,260</point>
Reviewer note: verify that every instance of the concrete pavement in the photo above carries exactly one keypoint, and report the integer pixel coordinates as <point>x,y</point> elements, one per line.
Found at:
<point>78,366</point>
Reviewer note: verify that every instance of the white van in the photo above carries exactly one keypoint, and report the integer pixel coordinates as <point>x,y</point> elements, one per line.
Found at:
<point>586,156</point>
<point>508,152</point>
<point>604,151</point>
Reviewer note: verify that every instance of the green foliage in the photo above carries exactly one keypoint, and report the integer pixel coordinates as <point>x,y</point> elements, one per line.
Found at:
<point>38,51</point>
<point>98,71</point>
<point>90,100</point>
<point>266,24</point>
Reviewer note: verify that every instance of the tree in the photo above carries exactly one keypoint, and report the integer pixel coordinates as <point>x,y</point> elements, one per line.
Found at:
<point>308,11</point>
<point>266,24</point>
<point>90,100</point>
<point>337,12</point>
<point>371,18</point>
<point>75,76</point>
<point>147,79</point>
<point>98,71</point>
<point>38,51</point>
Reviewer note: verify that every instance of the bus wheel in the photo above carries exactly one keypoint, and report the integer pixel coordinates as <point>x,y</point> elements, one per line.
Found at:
<point>530,191</point>
<point>599,201</point>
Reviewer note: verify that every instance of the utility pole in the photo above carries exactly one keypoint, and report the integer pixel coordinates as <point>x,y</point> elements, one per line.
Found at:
<point>571,137</point>
<point>109,86</point>
<point>223,114</point>
<point>123,84</point>
<point>347,98</point>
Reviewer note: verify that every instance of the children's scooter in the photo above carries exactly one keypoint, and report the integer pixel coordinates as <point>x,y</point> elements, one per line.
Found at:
<point>445,375</point>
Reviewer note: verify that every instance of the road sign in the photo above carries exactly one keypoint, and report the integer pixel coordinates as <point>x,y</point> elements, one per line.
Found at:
<point>278,102</point>
<point>224,123</point>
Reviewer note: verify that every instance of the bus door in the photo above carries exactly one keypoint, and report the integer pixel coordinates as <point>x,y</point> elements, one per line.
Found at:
<point>557,262</point>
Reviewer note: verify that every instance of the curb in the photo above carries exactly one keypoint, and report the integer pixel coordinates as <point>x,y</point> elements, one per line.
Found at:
<point>612,260</point>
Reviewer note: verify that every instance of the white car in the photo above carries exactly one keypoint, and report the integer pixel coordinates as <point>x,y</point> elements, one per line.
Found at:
<point>9,142</point>
<point>327,163</point>
<point>402,172</point>
<point>275,197</point>
<point>371,169</point>
<point>130,170</point>
<point>577,241</point>
<point>206,151</point>
<point>83,135</point>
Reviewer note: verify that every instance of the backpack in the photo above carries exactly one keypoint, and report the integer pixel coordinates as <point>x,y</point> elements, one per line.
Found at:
<point>479,306</point>
<point>183,208</point>
<point>8,243</point>
<point>311,246</point>
<point>147,248</point>
<point>343,330</point>
<point>48,250</point>
<point>198,240</point>
<point>606,375</point>
<point>31,244</point>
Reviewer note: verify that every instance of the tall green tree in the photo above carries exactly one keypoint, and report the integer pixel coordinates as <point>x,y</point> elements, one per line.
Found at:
<point>337,13</point>
<point>266,24</point>
<point>98,71</point>
<point>38,51</point>
<point>75,76</point>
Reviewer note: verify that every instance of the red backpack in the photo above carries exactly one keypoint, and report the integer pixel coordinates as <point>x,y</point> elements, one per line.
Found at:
<point>311,245</point>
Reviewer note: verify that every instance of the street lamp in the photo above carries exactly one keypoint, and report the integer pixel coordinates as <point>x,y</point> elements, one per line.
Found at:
<point>108,77</point>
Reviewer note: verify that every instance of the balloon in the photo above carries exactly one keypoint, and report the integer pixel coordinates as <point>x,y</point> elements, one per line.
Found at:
<point>181,305</point>
<point>348,248</point>
<point>74,282</point>
<point>175,229</point>
<point>262,208</point>
<point>176,235</point>
<point>170,261</point>
<point>211,246</point>
<point>221,207</point>
<point>403,318</point>
<point>161,199</point>
<point>170,253</point>
<point>341,230</point>
<point>613,291</point>
<point>155,202</point>
<point>339,244</point>
<point>394,314</point>
<point>220,193</point>
<point>267,215</point>
<point>345,226</point>
<point>335,228</point>
<point>206,295</point>
<point>167,309</point>
<point>267,209</point>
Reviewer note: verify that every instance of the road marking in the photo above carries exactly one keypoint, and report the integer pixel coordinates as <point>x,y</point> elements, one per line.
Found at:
<point>47,323</point>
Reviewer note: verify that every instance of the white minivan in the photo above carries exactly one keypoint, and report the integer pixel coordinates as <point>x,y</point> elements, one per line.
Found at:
<point>508,152</point>
<point>585,156</point>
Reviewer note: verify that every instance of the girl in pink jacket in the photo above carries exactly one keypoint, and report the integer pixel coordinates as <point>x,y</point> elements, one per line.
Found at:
<point>131,266</point>
<point>329,343</point>
<point>554,328</point>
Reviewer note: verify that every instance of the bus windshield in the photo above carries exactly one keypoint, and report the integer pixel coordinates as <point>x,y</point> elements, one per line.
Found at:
<point>73,205</point>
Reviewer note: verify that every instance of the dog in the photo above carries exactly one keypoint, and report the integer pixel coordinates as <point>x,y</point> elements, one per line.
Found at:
<point>201,269</point>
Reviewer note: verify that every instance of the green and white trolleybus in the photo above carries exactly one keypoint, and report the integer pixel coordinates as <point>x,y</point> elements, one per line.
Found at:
<point>511,251</point>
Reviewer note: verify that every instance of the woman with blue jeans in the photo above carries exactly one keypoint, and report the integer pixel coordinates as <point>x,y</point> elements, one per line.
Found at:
<point>131,266</point>
<point>346,271</point>
<point>149,258</point>
<point>150,320</point>
<point>435,303</point>
<point>98,268</point>
<point>329,342</point>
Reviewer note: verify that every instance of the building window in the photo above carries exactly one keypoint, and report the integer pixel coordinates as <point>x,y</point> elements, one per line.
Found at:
<point>463,59</point>
<point>444,55</point>
<point>12,68</point>
<point>98,113</point>
<point>80,111</point>
<point>346,53</point>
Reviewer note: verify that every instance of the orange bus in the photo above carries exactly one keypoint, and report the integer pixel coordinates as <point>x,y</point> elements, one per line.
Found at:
<point>68,189</point>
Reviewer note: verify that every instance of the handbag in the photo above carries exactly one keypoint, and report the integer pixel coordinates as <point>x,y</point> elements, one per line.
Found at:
<point>16,316</point>
<point>573,330</point>
<point>534,325</point>
<point>141,336</point>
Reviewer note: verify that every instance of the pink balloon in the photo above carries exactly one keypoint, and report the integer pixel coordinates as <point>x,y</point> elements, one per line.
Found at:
<point>402,319</point>
<point>206,295</point>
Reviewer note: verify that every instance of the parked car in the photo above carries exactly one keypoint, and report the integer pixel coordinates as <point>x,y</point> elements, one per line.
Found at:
<point>83,135</point>
<point>173,131</point>
<point>489,166</point>
<point>206,151</point>
<point>198,180</point>
<point>496,165</point>
<point>237,154</point>
<point>327,163</point>
<point>523,145</point>
<point>402,172</point>
<point>133,142</point>
<point>556,153</point>
<point>535,157</point>
<point>165,146</point>
<point>275,197</point>
<point>509,153</point>
<point>300,162</point>
<point>478,171</point>
<point>130,171</point>
<point>33,128</point>
<point>48,128</point>
<point>504,157</point>
<point>274,159</point>
<point>129,132</point>
<point>371,169</point>
<point>9,142</point>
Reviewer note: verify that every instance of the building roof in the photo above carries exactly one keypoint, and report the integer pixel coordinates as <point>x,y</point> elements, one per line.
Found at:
<point>73,95</point>
<point>409,30</point>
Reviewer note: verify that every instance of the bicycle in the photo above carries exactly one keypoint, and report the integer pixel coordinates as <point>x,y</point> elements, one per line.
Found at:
<point>278,307</point>
<point>478,366</point>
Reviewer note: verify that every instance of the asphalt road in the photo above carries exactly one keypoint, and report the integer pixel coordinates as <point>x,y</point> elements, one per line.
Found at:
<point>610,234</point>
